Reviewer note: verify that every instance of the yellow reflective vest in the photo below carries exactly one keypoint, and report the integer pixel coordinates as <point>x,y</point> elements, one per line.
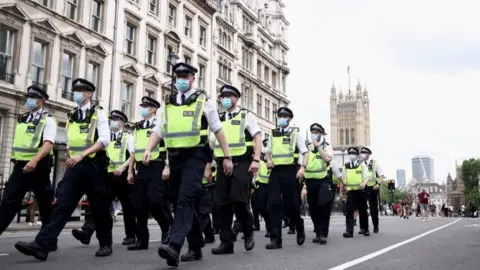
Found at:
<point>317,167</point>
<point>117,152</point>
<point>353,177</point>
<point>81,135</point>
<point>284,147</point>
<point>142,137</point>
<point>182,124</point>
<point>234,130</point>
<point>263,173</point>
<point>372,174</point>
<point>28,137</point>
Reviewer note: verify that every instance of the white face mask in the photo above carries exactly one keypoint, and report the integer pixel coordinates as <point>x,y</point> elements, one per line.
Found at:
<point>352,157</point>
<point>363,156</point>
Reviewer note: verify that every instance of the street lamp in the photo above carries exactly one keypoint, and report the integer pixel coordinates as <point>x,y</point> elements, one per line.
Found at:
<point>173,58</point>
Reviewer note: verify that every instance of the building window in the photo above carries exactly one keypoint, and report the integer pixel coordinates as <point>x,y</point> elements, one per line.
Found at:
<point>43,2</point>
<point>267,109</point>
<point>352,136</point>
<point>7,43</point>
<point>126,96</point>
<point>71,9</point>
<point>151,50</point>
<point>259,69</point>
<point>274,110</point>
<point>259,105</point>
<point>188,27</point>
<point>172,15</point>
<point>202,36</point>
<point>96,15</point>
<point>225,70</point>
<point>284,84</point>
<point>93,75</point>
<point>201,76</point>
<point>347,138</point>
<point>266,74</point>
<point>187,59</point>
<point>274,79</point>
<point>168,63</point>
<point>38,63</point>
<point>150,93</point>
<point>270,49</point>
<point>153,7</point>
<point>67,69</point>
<point>130,39</point>
<point>342,138</point>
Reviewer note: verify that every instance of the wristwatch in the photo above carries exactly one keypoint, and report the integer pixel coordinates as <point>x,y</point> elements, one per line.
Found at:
<point>227,158</point>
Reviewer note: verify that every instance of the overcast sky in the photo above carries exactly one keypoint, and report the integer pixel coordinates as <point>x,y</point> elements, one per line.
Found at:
<point>420,61</point>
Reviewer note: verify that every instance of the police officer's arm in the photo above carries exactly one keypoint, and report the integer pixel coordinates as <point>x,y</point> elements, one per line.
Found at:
<point>254,130</point>
<point>337,172</point>
<point>268,151</point>
<point>131,150</point>
<point>157,133</point>
<point>49,136</point>
<point>103,135</point>
<point>365,175</point>
<point>325,151</point>
<point>302,149</point>
<point>379,172</point>
<point>215,126</point>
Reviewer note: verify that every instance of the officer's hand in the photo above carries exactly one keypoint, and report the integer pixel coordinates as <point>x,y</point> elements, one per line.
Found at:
<point>315,143</point>
<point>73,161</point>
<point>376,187</point>
<point>208,174</point>
<point>253,167</point>
<point>30,166</point>
<point>119,171</point>
<point>300,173</point>
<point>130,178</point>
<point>362,186</point>
<point>270,164</point>
<point>227,166</point>
<point>146,157</point>
<point>166,173</point>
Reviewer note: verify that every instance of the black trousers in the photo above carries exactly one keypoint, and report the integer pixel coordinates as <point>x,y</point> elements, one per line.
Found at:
<point>284,197</point>
<point>255,209</point>
<point>87,177</point>
<point>356,200</point>
<point>18,185</point>
<point>117,187</point>
<point>320,201</point>
<point>232,197</point>
<point>205,209</point>
<point>187,168</point>
<point>373,197</point>
<point>150,196</point>
<point>261,194</point>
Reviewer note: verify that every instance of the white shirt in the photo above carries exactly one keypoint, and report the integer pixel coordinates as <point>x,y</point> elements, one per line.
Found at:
<point>302,148</point>
<point>252,125</point>
<point>364,167</point>
<point>209,111</point>
<point>378,169</point>
<point>150,120</point>
<point>103,127</point>
<point>130,140</point>
<point>336,171</point>
<point>50,130</point>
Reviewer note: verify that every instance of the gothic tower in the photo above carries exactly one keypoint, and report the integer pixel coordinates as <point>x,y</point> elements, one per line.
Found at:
<point>349,118</point>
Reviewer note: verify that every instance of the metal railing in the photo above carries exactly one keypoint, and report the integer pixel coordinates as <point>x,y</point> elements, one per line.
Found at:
<point>41,85</point>
<point>7,77</point>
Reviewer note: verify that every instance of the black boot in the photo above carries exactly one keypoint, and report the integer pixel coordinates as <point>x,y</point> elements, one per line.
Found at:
<point>170,254</point>
<point>192,255</point>
<point>366,233</point>
<point>267,234</point>
<point>32,249</point>
<point>165,238</point>
<point>348,234</point>
<point>375,229</point>
<point>362,231</point>
<point>249,243</point>
<point>104,251</point>
<point>138,246</point>
<point>127,241</point>
<point>322,240</point>
<point>81,236</point>
<point>274,244</point>
<point>300,237</point>
<point>223,248</point>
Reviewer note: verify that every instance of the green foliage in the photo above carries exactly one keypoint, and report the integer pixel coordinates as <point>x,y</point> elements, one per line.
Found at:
<point>470,172</point>
<point>385,194</point>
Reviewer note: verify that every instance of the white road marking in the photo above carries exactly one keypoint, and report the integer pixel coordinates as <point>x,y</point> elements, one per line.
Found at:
<point>473,225</point>
<point>387,249</point>
<point>4,254</point>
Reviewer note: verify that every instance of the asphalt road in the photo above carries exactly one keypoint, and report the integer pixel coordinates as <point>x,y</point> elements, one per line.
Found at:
<point>439,243</point>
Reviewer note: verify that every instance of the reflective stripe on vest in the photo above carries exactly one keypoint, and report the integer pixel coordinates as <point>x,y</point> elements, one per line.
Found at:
<point>354,178</point>
<point>117,153</point>
<point>316,167</point>
<point>372,179</point>
<point>234,130</point>
<point>80,136</point>
<point>182,124</point>
<point>283,149</point>
<point>142,137</point>
<point>263,173</point>
<point>27,139</point>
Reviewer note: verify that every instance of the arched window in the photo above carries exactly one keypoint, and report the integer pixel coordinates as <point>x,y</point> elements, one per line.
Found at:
<point>220,36</point>
<point>224,43</point>
<point>347,138</point>
<point>225,69</point>
<point>229,42</point>
<point>341,137</point>
<point>352,136</point>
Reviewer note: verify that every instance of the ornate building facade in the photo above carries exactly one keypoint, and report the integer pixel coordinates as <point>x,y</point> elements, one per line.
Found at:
<point>456,189</point>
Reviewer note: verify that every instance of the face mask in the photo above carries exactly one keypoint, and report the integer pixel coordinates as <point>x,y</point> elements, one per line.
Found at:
<point>144,112</point>
<point>78,97</point>
<point>363,156</point>
<point>31,104</point>
<point>114,125</point>
<point>182,85</point>
<point>226,103</point>
<point>315,137</point>
<point>283,122</point>
<point>352,157</point>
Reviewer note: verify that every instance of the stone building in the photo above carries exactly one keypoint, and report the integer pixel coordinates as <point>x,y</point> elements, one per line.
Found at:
<point>456,190</point>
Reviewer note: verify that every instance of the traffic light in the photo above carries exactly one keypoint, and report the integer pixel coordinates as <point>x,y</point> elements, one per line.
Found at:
<point>391,184</point>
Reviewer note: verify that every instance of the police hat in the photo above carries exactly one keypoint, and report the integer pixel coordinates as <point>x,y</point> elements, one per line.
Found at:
<point>285,111</point>
<point>353,150</point>
<point>230,89</point>
<point>82,85</point>
<point>318,127</point>
<point>365,150</point>
<point>36,92</point>
<point>150,102</point>
<point>118,114</point>
<point>183,68</point>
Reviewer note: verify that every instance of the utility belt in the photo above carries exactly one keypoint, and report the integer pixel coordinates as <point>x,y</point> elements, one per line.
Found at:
<point>242,158</point>
<point>46,161</point>
<point>153,163</point>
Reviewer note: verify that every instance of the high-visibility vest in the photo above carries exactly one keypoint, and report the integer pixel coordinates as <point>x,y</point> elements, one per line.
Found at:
<point>81,135</point>
<point>142,137</point>
<point>353,177</point>
<point>372,174</point>
<point>284,147</point>
<point>335,179</point>
<point>182,124</point>
<point>263,173</point>
<point>117,152</point>
<point>317,167</point>
<point>28,137</point>
<point>234,130</point>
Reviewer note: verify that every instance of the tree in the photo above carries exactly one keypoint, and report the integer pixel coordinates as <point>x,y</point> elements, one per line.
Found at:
<point>385,194</point>
<point>470,175</point>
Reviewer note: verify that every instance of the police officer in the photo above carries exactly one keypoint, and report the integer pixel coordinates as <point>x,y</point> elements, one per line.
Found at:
<point>121,147</point>
<point>373,186</point>
<point>184,126</point>
<point>261,192</point>
<point>356,177</point>
<point>35,134</point>
<point>88,134</point>
<point>233,192</point>
<point>150,191</point>
<point>285,148</point>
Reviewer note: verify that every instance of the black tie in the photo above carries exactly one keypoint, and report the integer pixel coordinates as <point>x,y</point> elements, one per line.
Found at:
<point>113,137</point>
<point>80,115</point>
<point>183,99</point>
<point>30,118</point>
<point>230,116</point>
<point>148,124</point>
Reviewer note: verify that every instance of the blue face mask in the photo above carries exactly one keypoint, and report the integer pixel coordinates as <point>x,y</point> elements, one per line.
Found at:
<point>114,125</point>
<point>315,137</point>
<point>363,156</point>
<point>283,122</point>
<point>31,104</point>
<point>226,103</point>
<point>182,85</point>
<point>144,112</point>
<point>352,157</point>
<point>78,97</point>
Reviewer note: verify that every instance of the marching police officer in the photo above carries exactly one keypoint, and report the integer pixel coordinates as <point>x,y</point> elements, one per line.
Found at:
<point>33,142</point>
<point>261,192</point>
<point>119,150</point>
<point>150,191</point>
<point>373,186</point>
<point>184,126</point>
<point>88,134</point>
<point>356,177</point>
<point>285,148</point>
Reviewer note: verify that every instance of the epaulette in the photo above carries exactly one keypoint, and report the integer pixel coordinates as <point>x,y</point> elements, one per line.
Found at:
<point>139,124</point>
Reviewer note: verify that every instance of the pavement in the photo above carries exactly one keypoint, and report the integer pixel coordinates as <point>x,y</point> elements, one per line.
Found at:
<point>438,243</point>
